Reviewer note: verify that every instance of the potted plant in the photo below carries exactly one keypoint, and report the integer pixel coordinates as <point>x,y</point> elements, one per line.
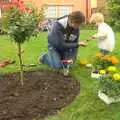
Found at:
<point>102,61</point>
<point>109,85</point>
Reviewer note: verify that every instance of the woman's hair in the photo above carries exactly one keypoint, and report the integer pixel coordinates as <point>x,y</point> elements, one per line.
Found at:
<point>76,17</point>
<point>97,17</point>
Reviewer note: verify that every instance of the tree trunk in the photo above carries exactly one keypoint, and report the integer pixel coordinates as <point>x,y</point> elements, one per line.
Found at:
<point>20,63</point>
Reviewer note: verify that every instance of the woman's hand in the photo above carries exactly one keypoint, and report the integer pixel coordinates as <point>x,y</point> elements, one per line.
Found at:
<point>83,43</point>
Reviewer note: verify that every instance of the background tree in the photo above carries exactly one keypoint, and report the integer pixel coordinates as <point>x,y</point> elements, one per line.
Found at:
<point>114,13</point>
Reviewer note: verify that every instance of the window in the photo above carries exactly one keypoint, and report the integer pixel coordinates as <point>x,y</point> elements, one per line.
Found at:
<point>93,3</point>
<point>55,11</point>
<point>51,11</point>
<point>0,13</point>
<point>64,10</point>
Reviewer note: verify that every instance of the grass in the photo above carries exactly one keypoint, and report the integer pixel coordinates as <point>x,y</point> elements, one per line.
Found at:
<point>87,106</point>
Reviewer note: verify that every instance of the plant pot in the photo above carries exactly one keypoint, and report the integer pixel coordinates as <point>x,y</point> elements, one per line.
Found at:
<point>108,100</point>
<point>95,75</point>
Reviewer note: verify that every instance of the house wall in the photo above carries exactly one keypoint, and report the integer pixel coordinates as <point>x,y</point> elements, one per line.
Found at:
<point>83,5</point>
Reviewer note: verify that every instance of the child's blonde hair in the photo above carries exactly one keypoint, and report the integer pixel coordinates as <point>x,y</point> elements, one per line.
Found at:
<point>97,17</point>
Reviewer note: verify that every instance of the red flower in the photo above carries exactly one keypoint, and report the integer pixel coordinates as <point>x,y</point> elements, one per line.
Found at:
<point>17,4</point>
<point>28,10</point>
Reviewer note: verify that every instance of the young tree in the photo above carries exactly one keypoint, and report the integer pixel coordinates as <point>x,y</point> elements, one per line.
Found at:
<point>21,23</point>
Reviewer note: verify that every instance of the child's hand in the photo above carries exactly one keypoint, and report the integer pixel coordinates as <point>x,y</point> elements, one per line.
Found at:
<point>94,36</point>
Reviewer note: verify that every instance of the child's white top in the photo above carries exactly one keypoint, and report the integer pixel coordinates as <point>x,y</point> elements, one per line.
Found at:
<point>106,37</point>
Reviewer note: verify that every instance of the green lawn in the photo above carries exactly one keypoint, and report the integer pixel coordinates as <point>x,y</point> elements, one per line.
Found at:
<point>87,106</point>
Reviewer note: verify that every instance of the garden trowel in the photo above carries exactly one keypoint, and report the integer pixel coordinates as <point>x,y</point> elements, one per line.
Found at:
<point>66,66</point>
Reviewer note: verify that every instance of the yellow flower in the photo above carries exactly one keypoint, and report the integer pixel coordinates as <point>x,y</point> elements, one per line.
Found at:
<point>99,55</point>
<point>83,62</point>
<point>112,68</point>
<point>102,72</point>
<point>106,58</point>
<point>116,76</point>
